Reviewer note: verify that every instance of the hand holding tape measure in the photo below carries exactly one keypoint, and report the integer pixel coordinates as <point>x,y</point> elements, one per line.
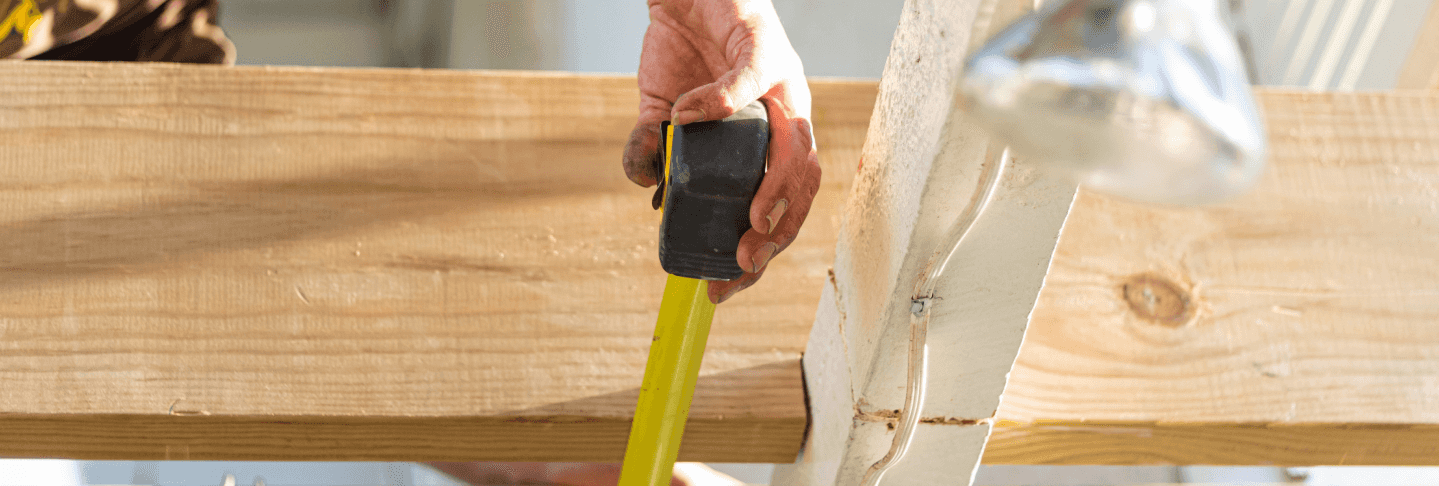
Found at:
<point>710,172</point>
<point>724,132</point>
<point>690,72</point>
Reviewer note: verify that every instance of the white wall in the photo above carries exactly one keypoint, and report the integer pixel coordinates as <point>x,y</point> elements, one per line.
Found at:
<point>844,38</point>
<point>1276,47</point>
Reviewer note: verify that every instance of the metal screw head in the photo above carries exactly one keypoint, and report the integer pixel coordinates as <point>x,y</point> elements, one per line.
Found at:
<point>918,306</point>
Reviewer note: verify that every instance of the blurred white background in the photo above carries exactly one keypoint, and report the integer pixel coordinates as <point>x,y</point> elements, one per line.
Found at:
<point>1348,44</point>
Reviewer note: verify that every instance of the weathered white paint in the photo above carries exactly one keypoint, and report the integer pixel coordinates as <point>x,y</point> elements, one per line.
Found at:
<point>922,168</point>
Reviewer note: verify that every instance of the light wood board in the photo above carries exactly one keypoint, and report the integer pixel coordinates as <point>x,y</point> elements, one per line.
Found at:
<point>928,174</point>
<point>181,281</point>
<point>1294,325</point>
<point>263,263</point>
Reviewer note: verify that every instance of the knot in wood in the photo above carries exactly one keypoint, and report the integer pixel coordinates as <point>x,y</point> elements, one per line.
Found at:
<point>1158,300</point>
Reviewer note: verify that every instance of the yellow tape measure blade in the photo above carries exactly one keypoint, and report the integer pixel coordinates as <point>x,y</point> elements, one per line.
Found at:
<point>681,332</point>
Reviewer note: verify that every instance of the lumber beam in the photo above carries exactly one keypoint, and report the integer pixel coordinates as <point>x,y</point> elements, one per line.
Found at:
<point>928,173</point>
<point>1293,325</point>
<point>182,281</point>
<point>339,264</point>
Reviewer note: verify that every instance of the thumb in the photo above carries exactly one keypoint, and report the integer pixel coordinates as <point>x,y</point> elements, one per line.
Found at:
<point>722,98</point>
<point>642,153</point>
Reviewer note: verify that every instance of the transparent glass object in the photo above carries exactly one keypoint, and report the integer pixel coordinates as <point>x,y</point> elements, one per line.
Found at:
<point>1146,99</point>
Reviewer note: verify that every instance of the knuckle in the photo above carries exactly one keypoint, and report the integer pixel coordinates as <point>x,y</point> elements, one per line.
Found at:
<point>804,172</point>
<point>726,105</point>
<point>812,174</point>
<point>810,162</point>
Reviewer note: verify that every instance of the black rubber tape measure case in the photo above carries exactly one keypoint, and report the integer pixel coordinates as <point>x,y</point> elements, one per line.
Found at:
<point>710,173</point>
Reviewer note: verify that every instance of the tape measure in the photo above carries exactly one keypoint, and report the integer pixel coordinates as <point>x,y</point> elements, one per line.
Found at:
<point>711,173</point>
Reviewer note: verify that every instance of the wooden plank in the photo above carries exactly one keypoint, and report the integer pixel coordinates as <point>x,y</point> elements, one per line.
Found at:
<point>1421,68</point>
<point>302,264</point>
<point>1237,443</point>
<point>160,219</point>
<point>1293,325</point>
<point>928,174</point>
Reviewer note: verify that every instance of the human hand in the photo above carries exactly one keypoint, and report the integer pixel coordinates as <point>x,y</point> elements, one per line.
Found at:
<point>705,59</point>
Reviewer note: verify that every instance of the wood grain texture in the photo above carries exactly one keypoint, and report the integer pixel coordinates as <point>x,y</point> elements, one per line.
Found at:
<point>1249,444</point>
<point>1421,68</point>
<point>307,264</point>
<point>929,176</point>
<point>289,263</point>
<point>1293,325</point>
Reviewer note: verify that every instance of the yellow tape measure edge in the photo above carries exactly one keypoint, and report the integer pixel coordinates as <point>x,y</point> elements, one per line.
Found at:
<point>669,156</point>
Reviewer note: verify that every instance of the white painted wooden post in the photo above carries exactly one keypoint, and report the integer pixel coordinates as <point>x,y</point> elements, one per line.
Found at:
<point>923,166</point>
